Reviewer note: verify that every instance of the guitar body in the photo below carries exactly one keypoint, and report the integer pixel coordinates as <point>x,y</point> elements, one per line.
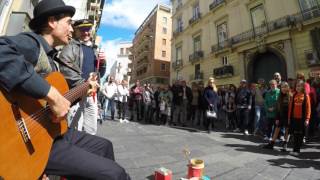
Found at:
<point>25,158</point>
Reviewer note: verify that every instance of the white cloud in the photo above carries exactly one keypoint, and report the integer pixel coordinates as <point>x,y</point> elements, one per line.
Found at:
<point>128,13</point>
<point>111,48</point>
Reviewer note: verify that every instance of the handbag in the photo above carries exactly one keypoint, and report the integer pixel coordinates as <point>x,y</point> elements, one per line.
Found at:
<point>211,113</point>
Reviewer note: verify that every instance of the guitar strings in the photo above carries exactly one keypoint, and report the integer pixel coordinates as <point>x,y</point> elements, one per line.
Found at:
<point>33,120</point>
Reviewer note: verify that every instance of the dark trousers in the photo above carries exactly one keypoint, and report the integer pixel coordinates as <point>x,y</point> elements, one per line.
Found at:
<point>77,155</point>
<point>138,107</point>
<point>243,118</point>
<point>122,110</point>
<point>298,130</point>
<point>270,124</point>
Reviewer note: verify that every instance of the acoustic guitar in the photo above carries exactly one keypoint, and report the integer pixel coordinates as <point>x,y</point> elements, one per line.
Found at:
<point>27,132</point>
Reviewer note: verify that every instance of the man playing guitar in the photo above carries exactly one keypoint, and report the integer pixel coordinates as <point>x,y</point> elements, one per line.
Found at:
<point>24,60</point>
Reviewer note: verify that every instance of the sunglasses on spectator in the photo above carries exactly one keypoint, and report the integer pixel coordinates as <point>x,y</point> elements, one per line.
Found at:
<point>85,29</point>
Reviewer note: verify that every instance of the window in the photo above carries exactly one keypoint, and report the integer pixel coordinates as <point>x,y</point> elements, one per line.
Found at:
<point>178,53</point>
<point>163,67</point>
<point>258,17</point>
<point>197,71</point>
<point>164,53</point>
<point>164,30</point>
<point>225,60</point>
<point>164,20</point>
<point>308,4</point>
<point>196,11</point>
<point>127,51</point>
<point>164,42</point>
<point>222,34</point>
<point>179,24</point>
<point>179,2</point>
<point>121,51</point>
<point>197,44</point>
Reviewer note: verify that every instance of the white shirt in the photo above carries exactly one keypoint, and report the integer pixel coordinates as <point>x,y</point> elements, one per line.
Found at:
<point>123,93</point>
<point>110,90</point>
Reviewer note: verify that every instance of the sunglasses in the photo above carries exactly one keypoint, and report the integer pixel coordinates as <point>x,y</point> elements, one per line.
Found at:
<point>85,29</point>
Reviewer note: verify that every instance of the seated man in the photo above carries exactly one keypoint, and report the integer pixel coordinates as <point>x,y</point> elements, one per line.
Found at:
<point>74,155</point>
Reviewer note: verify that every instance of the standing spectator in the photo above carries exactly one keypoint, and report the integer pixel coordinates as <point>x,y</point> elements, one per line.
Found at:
<point>155,105</point>
<point>194,112</point>
<point>259,95</point>
<point>186,103</point>
<point>277,77</point>
<point>299,115</point>
<point>137,94</point>
<point>165,104</point>
<point>202,104</point>
<point>270,105</point>
<point>78,61</point>
<point>147,101</point>
<point>230,106</point>
<point>281,116</point>
<point>123,94</point>
<point>177,92</point>
<point>244,104</point>
<point>110,91</point>
<point>211,100</point>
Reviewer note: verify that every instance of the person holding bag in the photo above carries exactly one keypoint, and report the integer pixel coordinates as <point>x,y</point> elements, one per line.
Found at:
<point>211,99</point>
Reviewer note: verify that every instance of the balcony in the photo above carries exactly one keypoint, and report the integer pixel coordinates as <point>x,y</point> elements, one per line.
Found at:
<point>290,21</point>
<point>177,64</point>
<point>225,71</point>
<point>215,4</point>
<point>196,56</point>
<point>196,77</point>
<point>177,31</point>
<point>220,46</point>
<point>195,19</point>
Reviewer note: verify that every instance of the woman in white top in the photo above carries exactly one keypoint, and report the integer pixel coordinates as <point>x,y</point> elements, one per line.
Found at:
<point>123,94</point>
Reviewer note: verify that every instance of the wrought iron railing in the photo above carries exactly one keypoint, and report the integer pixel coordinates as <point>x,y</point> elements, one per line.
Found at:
<point>177,31</point>
<point>283,22</point>
<point>177,64</point>
<point>196,76</point>
<point>196,56</point>
<point>215,4</point>
<point>195,18</point>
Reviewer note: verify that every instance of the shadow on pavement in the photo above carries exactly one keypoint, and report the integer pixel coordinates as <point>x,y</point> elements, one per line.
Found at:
<point>295,163</point>
<point>250,138</point>
<point>256,149</point>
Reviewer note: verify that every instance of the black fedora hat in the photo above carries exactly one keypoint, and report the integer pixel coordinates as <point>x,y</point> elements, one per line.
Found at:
<point>47,8</point>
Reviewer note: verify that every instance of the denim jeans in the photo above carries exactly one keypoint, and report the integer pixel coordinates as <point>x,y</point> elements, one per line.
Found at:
<point>109,104</point>
<point>259,117</point>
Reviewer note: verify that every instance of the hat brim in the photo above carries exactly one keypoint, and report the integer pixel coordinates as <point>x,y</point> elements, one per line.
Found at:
<point>55,11</point>
<point>84,25</point>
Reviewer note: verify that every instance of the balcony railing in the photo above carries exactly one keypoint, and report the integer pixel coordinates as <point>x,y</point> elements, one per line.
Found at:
<point>196,76</point>
<point>215,4</point>
<point>177,31</point>
<point>220,46</point>
<point>225,71</point>
<point>195,18</point>
<point>196,56</point>
<point>289,21</point>
<point>177,64</point>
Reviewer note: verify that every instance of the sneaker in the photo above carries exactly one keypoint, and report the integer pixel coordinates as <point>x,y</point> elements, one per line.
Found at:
<point>284,147</point>
<point>268,146</point>
<point>266,138</point>
<point>126,121</point>
<point>121,121</point>
<point>237,130</point>
<point>246,132</point>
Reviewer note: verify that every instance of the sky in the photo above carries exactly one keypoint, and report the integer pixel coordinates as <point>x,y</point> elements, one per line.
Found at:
<point>120,20</point>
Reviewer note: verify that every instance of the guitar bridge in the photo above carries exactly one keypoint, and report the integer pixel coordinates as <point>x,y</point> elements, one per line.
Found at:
<point>23,130</point>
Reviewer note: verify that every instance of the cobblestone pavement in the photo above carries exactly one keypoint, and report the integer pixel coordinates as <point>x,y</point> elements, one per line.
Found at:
<point>141,149</point>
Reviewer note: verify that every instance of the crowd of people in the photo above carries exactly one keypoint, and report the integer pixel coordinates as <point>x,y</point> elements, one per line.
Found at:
<point>273,110</point>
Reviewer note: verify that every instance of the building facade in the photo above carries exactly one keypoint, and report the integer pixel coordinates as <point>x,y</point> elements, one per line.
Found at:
<point>120,68</point>
<point>151,49</point>
<point>232,40</point>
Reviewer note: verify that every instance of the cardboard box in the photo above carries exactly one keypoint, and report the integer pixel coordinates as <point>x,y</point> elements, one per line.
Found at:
<point>163,174</point>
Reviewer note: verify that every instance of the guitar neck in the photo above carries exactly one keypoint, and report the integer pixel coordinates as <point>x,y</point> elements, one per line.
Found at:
<point>75,93</point>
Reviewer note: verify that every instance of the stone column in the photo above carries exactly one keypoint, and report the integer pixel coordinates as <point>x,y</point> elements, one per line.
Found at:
<point>290,59</point>
<point>242,65</point>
